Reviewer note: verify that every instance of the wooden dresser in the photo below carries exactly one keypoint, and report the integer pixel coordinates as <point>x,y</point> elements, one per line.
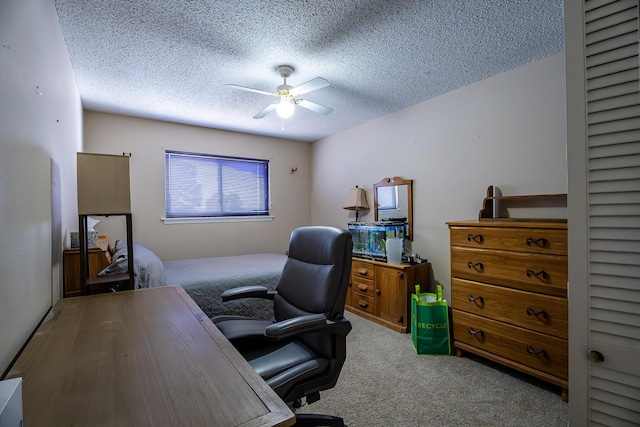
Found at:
<point>381,292</point>
<point>509,295</point>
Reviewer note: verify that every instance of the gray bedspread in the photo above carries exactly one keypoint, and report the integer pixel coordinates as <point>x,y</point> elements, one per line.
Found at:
<point>205,279</point>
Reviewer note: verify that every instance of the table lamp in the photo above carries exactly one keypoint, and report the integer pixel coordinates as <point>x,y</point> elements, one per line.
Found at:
<point>356,200</point>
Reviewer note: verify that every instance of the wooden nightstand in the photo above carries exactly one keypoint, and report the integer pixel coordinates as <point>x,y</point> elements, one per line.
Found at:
<point>99,258</point>
<point>381,292</point>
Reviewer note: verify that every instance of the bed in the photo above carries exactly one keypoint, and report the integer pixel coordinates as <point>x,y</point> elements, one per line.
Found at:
<point>204,279</point>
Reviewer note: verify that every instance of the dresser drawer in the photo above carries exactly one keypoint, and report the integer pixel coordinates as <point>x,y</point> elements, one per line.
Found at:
<point>538,351</point>
<point>541,313</point>
<point>363,286</point>
<point>364,303</point>
<point>530,272</point>
<point>363,270</point>
<point>544,241</point>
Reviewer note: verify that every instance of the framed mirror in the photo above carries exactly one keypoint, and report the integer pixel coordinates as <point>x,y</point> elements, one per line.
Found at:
<point>393,200</point>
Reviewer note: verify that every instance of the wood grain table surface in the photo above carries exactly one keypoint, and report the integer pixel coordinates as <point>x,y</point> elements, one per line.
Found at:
<point>140,358</point>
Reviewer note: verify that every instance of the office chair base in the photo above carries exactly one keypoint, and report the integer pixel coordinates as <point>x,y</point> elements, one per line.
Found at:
<point>317,420</point>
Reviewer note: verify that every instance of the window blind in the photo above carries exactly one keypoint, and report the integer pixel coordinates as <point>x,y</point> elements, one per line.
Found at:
<point>200,185</point>
<point>388,198</point>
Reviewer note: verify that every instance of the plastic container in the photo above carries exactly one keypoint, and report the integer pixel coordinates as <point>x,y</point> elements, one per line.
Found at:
<point>394,251</point>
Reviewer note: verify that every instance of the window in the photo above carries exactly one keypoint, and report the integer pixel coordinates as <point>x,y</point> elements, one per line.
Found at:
<point>206,186</point>
<point>388,198</point>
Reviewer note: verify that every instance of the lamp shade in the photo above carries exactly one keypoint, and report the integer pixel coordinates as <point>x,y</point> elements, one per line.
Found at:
<point>103,184</point>
<point>357,199</point>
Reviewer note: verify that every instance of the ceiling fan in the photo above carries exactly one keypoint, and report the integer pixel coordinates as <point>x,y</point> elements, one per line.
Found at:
<point>287,95</point>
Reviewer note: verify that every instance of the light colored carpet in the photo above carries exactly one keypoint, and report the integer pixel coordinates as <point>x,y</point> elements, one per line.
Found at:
<point>384,383</point>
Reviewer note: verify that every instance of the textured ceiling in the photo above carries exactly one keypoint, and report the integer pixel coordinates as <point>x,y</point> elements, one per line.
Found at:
<point>170,59</point>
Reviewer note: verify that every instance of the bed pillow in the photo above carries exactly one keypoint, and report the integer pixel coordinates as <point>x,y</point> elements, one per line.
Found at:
<point>148,270</point>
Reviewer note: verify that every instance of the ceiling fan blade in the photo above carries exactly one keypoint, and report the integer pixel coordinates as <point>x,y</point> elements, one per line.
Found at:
<point>314,84</point>
<point>249,89</point>
<point>313,106</point>
<point>269,108</point>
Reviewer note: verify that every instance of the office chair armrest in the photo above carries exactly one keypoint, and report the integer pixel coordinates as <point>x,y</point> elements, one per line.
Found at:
<point>296,325</point>
<point>247,292</point>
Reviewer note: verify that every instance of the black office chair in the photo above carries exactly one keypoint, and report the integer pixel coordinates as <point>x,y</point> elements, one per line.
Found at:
<point>302,351</point>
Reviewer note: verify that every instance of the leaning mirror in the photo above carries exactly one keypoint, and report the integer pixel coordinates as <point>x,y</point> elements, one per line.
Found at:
<point>393,200</point>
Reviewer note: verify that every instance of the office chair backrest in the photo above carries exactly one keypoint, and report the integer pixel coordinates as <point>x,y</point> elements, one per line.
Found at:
<point>315,277</point>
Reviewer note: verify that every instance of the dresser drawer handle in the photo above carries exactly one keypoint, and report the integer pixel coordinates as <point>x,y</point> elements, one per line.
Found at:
<point>542,242</point>
<point>363,304</point>
<point>476,332</point>
<point>362,271</point>
<point>479,265</point>
<point>478,238</point>
<point>541,274</point>
<point>471,298</point>
<point>531,350</point>
<point>363,288</point>
<point>541,313</point>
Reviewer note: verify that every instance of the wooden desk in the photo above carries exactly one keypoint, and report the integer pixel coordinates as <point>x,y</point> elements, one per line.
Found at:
<point>140,358</point>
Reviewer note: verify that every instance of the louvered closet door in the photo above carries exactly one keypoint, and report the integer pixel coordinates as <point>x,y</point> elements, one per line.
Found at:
<point>613,186</point>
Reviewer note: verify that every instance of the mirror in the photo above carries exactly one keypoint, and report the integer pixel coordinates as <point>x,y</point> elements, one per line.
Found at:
<point>393,199</point>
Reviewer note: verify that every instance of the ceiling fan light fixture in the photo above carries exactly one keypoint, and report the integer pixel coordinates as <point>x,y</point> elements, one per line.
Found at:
<point>285,108</point>
<point>288,96</point>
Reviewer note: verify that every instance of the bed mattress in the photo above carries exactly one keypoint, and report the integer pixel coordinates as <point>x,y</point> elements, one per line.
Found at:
<point>205,279</point>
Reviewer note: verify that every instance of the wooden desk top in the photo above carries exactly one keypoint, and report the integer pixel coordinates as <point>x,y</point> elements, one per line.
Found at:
<point>140,358</point>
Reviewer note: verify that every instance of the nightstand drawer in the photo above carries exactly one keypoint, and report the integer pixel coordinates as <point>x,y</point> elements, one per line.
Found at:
<point>363,270</point>
<point>363,302</point>
<point>538,351</point>
<point>544,241</point>
<point>363,286</point>
<point>541,313</point>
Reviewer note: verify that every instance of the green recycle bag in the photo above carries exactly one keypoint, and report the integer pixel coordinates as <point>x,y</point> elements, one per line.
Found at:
<point>430,323</point>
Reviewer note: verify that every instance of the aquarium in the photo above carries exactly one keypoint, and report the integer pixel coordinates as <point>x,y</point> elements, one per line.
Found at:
<point>369,238</point>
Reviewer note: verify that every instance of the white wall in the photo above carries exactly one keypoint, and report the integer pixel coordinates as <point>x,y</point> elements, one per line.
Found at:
<point>146,140</point>
<point>40,132</point>
<point>508,130</point>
